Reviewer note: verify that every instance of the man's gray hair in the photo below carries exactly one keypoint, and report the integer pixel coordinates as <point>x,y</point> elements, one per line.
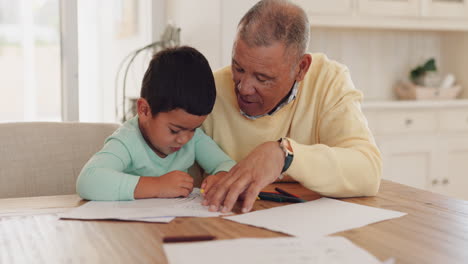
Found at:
<point>276,20</point>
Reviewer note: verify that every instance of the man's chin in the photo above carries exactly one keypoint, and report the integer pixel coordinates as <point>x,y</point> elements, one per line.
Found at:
<point>248,109</point>
<point>251,112</point>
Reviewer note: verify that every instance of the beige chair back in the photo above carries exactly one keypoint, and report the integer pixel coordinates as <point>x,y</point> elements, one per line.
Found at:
<point>45,158</point>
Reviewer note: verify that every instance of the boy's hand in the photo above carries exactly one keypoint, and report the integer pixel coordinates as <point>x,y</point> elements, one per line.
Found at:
<point>210,180</point>
<point>169,185</point>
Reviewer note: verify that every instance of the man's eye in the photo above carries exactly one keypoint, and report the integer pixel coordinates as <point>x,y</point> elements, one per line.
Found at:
<point>174,131</point>
<point>261,80</point>
<point>239,70</point>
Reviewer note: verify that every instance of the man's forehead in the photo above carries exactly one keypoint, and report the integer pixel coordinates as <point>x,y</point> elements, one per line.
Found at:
<point>263,58</point>
<point>273,50</point>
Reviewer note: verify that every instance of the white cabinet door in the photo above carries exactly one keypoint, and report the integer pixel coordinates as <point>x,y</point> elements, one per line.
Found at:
<point>446,8</point>
<point>453,175</point>
<point>399,8</point>
<point>328,7</point>
<point>408,160</point>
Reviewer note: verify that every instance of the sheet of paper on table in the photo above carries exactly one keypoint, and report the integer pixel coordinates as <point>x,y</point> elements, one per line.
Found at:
<point>316,218</point>
<point>281,250</point>
<point>147,210</point>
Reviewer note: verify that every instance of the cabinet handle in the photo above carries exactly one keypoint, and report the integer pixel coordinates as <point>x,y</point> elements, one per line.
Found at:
<point>408,122</point>
<point>445,181</point>
<point>435,182</point>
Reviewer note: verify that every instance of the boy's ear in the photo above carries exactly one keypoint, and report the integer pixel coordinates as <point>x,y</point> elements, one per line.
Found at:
<point>143,109</point>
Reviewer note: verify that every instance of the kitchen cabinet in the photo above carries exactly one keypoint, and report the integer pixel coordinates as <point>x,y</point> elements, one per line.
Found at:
<point>445,8</point>
<point>423,144</point>
<point>409,160</point>
<point>403,8</point>
<point>329,7</point>
<point>453,170</point>
<point>401,14</point>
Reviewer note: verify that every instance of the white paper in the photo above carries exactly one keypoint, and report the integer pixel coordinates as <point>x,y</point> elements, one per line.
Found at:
<point>290,250</point>
<point>316,218</point>
<point>35,211</point>
<point>165,219</point>
<point>150,209</point>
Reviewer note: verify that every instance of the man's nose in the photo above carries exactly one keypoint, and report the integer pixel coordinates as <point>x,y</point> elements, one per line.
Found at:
<point>245,87</point>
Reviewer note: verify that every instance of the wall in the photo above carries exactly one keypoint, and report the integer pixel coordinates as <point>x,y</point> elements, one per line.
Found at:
<point>455,47</point>
<point>377,59</point>
<point>200,23</point>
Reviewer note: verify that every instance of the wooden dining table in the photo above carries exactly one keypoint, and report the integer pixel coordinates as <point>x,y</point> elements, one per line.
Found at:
<point>435,230</point>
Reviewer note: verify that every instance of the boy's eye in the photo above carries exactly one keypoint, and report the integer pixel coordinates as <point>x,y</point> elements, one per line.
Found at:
<point>173,131</point>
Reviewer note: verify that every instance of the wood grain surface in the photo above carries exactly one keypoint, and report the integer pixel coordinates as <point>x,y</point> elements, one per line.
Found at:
<point>434,231</point>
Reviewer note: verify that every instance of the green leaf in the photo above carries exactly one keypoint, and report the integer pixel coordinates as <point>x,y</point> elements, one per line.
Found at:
<point>430,65</point>
<point>421,70</point>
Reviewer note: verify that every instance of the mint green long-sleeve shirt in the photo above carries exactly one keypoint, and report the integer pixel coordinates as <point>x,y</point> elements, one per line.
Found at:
<point>113,173</point>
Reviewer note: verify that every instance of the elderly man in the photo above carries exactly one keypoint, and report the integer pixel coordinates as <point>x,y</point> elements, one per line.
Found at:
<point>280,110</point>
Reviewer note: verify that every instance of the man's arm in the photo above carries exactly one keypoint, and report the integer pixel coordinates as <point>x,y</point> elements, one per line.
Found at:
<point>346,161</point>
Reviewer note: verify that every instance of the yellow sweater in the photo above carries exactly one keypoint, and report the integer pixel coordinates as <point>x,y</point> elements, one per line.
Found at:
<point>334,151</point>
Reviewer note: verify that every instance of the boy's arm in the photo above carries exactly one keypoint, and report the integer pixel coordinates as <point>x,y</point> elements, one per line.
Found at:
<point>209,155</point>
<point>103,179</point>
<point>172,184</point>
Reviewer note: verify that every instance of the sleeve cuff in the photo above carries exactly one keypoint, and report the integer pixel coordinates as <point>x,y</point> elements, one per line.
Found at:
<point>127,188</point>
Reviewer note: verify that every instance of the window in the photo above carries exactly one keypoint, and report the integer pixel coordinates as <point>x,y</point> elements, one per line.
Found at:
<point>30,60</point>
<point>108,31</point>
<point>44,44</point>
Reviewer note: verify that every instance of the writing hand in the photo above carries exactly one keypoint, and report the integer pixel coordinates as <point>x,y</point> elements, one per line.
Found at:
<point>169,185</point>
<point>260,168</point>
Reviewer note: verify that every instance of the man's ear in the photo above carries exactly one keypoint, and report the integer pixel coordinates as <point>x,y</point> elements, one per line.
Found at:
<point>304,65</point>
<point>143,109</point>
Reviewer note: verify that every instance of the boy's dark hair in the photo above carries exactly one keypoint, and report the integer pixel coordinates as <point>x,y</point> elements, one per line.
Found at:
<point>179,77</point>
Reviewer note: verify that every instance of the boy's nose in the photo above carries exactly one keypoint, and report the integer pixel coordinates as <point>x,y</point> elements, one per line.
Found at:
<point>182,139</point>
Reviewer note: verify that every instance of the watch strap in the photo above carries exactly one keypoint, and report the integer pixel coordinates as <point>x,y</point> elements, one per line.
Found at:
<point>288,155</point>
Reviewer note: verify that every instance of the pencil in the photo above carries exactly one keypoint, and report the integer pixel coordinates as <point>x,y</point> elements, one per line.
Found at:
<point>177,239</point>
<point>285,192</point>
<point>280,198</point>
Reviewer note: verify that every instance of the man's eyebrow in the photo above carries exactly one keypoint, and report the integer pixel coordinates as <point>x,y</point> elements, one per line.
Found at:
<point>256,73</point>
<point>265,76</point>
<point>235,62</point>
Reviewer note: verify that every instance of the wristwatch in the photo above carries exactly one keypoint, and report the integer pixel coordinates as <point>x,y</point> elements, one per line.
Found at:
<point>288,153</point>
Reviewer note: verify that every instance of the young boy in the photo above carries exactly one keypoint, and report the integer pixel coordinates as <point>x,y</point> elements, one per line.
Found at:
<point>150,154</point>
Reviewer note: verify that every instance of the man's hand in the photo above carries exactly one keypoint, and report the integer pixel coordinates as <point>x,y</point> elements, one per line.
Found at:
<point>261,167</point>
<point>211,180</point>
<point>169,185</point>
